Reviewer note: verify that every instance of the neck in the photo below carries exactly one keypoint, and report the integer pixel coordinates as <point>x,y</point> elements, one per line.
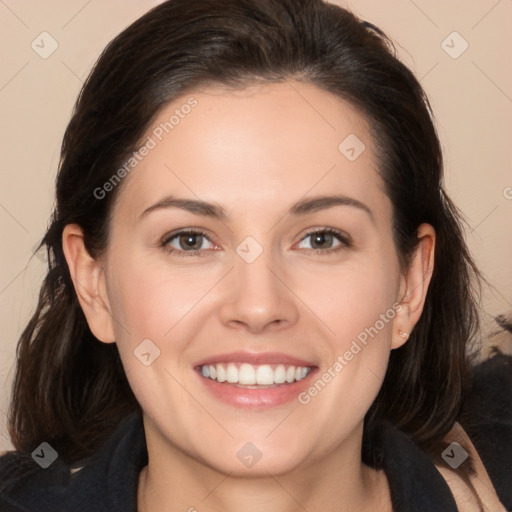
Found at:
<point>337,482</point>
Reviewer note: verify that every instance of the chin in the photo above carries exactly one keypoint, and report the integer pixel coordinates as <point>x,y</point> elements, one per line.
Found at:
<point>252,460</point>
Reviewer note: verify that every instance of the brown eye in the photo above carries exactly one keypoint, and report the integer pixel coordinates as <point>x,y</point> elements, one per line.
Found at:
<point>186,243</point>
<point>321,239</point>
<point>190,241</point>
<point>326,240</point>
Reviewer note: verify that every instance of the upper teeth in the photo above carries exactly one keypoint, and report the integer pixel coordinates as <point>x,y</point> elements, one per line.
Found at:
<point>247,374</point>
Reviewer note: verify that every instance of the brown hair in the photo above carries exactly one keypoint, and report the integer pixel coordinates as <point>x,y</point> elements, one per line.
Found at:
<point>70,389</point>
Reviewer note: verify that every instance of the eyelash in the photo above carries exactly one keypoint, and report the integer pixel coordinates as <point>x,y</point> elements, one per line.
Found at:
<point>342,237</point>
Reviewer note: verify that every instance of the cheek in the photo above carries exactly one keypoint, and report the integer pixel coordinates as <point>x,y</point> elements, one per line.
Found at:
<point>360,310</point>
<point>149,300</point>
<point>155,303</point>
<point>358,302</point>
<point>352,297</point>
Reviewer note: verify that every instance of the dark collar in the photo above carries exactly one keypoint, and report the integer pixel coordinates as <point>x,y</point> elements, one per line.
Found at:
<point>415,483</point>
<point>106,483</point>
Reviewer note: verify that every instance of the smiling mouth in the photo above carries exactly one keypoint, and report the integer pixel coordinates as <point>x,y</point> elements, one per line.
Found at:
<point>245,375</point>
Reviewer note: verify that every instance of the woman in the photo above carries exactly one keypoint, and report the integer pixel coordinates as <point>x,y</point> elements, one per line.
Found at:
<point>259,296</point>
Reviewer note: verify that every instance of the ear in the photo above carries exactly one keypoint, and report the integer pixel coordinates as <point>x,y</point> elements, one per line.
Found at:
<point>89,281</point>
<point>414,286</point>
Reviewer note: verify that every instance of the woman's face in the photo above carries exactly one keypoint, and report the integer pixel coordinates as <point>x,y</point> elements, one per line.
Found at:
<point>253,292</point>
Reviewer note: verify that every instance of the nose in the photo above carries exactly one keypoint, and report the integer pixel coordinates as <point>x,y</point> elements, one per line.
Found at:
<point>257,297</point>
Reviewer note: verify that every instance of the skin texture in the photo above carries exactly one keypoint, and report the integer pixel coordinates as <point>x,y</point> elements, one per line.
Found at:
<point>255,152</point>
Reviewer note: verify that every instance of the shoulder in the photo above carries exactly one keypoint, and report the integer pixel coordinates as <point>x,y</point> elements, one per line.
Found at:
<point>105,481</point>
<point>491,389</point>
<point>487,419</point>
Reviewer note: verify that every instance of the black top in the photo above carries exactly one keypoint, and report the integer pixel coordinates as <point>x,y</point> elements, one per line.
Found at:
<point>108,482</point>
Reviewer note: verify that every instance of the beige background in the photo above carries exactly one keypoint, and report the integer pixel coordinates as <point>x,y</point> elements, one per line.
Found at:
<point>471,96</point>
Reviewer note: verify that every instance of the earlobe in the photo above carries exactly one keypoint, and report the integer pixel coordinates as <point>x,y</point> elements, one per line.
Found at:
<point>414,285</point>
<point>89,281</point>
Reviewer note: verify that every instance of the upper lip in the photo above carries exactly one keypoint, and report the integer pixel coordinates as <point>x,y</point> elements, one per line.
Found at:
<point>255,358</point>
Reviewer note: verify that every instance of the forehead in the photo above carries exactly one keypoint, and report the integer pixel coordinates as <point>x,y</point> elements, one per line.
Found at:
<point>257,147</point>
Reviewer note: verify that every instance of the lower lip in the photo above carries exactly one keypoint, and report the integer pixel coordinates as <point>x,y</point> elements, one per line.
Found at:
<point>262,398</point>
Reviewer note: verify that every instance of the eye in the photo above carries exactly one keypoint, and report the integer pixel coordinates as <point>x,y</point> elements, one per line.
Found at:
<point>185,243</point>
<point>192,243</point>
<point>322,240</point>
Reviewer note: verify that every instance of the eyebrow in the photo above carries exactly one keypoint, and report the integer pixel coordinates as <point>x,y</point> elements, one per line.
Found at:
<point>215,211</point>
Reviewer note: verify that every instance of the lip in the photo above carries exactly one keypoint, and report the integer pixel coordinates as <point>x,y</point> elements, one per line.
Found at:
<point>255,358</point>
<point>250,398</point>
